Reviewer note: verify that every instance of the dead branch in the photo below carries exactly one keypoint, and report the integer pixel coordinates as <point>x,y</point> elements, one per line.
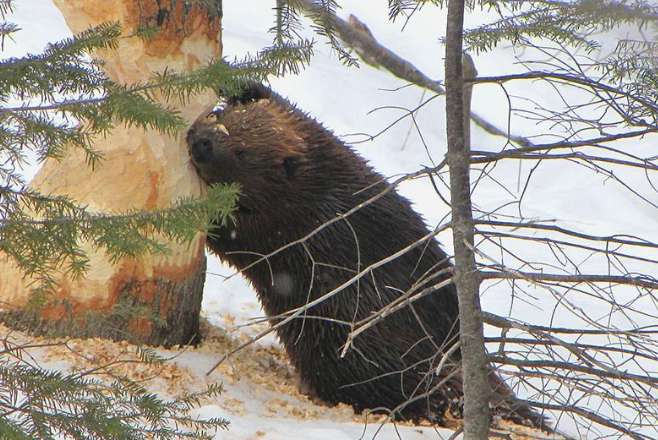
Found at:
<point>616,239</point>
<point>505,323</point>
<point>644,281</point>
<point>373,53</point>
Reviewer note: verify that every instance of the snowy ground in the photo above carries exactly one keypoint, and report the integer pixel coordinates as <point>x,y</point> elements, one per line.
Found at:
<point>343,99</point>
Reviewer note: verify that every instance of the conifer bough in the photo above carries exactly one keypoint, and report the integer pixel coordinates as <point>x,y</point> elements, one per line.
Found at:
<point>154,296</point>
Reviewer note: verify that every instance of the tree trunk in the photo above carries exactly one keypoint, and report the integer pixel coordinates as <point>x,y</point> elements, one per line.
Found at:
<point>155,299</point>
<point>474,359</point>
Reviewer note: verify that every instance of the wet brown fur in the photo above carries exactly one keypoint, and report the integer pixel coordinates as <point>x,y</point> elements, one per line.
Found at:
<point>296,175</point>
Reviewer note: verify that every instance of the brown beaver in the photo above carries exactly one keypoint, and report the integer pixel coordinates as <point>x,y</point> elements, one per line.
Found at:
<point>296,175</point>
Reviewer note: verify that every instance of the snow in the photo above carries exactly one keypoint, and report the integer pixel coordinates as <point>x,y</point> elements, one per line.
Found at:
<point>281,429</point>
<point>351,101</point>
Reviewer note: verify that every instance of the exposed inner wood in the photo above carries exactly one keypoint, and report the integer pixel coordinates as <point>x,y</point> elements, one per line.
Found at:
<point>141,170</point>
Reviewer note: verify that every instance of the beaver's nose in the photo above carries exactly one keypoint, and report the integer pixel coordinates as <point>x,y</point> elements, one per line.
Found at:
<point>201,149</point>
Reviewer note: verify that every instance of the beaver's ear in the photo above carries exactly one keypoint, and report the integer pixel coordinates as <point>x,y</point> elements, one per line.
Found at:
<point>249,92</point>
<point>290,165</point>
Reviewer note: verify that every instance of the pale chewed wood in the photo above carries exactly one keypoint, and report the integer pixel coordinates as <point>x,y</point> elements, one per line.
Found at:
<point>141,170</point>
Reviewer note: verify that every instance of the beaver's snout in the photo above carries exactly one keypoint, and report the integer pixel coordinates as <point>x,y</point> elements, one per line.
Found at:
<point>210,154</point>
<point>201,150</point>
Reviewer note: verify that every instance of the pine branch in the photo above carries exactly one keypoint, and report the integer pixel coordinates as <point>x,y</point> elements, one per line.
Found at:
<point>559,21</point>
<point>36,403</point>
<point>45,234</point>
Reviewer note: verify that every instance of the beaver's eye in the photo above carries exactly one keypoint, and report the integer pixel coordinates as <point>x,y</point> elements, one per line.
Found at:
<point>290,165</point>
<point>239,152</point>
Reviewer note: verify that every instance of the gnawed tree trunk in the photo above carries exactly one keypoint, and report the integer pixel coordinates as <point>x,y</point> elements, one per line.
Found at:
<point>155,299</point>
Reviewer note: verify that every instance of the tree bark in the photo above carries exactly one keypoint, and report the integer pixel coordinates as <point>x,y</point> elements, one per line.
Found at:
<point>155,299</point>
<point>474,359</point>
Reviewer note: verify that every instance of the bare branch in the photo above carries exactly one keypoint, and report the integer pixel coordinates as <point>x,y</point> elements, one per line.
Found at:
<point>643,281</point>
<point>636,241</point>
<point>571,366</point>
<point>373,53</point>
<point>568,78</point>
<point>504,323</point>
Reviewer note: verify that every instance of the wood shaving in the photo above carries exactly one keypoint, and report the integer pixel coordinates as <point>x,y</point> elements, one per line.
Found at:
<point>264,368</point>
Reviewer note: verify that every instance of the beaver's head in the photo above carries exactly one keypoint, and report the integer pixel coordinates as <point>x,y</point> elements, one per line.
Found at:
<point>254,140</point>
<point>289,167</point>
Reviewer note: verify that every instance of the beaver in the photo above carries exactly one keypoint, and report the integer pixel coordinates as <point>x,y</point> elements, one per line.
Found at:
<point>295,176</point>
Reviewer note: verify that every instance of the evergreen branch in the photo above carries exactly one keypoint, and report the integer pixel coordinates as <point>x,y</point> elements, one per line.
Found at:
<point>407,8</point>
<point>98,104</point>
<point>222,75</point>
<point>61,69</point>
<point>44,234</point>
<point>543,23</point>
<point>6,30</point>
<point>64,101</point>
<point>288,24</point>
<point>43,135</point>
<point>53,403</point>
<point>558,21</point>
<point>137,109</point>
<point>321,14</point>
<point>6,7</point>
